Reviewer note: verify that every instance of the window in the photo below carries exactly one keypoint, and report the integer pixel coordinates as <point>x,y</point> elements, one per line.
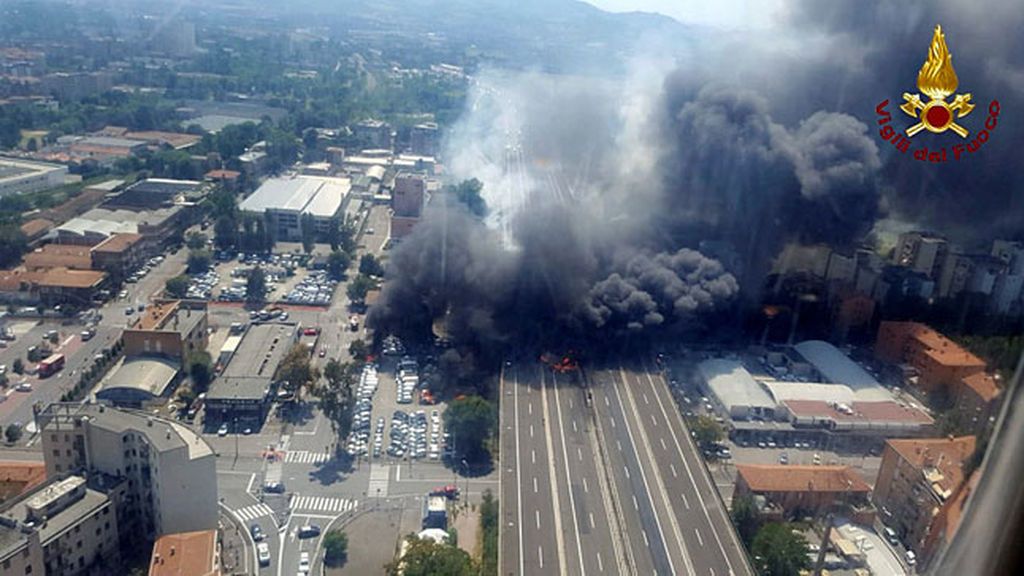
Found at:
<point>57,467</point>
<point>56,453</point>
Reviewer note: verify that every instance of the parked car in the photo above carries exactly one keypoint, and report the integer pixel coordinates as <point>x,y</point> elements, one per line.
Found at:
<point>263,553</point>
<point>223,430</point>
<point>257,532</point>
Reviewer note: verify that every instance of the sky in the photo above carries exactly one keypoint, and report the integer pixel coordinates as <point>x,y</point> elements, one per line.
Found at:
<point>729,14</point>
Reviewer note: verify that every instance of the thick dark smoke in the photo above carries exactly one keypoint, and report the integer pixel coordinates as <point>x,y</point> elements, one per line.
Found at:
<point>642,205</point>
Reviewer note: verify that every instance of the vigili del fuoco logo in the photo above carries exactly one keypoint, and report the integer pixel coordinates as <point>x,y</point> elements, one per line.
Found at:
<point>937,81</point>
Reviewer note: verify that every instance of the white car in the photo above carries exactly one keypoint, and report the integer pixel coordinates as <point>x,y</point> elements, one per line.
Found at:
<point>24,387</point>
<point>263,553</point>
<point>304,563</point>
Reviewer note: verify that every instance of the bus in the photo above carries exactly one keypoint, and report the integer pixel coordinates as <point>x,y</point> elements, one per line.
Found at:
<point>51,365</point>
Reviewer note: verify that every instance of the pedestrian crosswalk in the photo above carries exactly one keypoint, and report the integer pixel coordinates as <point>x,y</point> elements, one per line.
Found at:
<point>322,504</point>
<point>253,512</point>
<point>306,457</point>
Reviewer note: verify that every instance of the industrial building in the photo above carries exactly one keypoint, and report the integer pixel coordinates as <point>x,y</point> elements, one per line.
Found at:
<point>243,392</point>
<point>21,176</point>
<point>818,394</point>
<point>167,471</point>
<point>286,201</point>
<point>135,382</point>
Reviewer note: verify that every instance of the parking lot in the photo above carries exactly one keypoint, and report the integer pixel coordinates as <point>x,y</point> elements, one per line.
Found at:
<point>288,280</point>
<point>394,416</point>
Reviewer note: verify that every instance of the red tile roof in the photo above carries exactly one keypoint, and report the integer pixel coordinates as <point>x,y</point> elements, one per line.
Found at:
<point>117,243</point>
<point>983,385</point>
<point>946,455</point>
<point>20,477</point>
<point>186,554</point>
<point>784,478</point>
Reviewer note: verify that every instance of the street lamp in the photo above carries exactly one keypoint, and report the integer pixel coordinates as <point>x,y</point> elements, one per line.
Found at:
<point>465,472</point>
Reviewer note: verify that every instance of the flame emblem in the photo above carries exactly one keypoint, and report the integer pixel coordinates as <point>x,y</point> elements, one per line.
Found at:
<point>937,80</point>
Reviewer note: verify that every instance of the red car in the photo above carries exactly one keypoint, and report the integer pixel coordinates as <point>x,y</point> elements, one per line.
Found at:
<point>311,331</point>
<point>450,491</point>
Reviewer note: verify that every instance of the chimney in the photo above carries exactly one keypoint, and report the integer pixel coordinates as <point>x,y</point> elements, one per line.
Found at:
<point>172,550</point>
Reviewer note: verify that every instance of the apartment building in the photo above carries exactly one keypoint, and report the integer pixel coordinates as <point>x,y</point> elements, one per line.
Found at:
<point>168,470</point>
<point>64,528</point>
<point>939,362</point>
<point>916,478</point>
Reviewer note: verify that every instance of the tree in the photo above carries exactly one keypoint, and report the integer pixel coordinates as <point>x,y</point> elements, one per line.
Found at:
<point>428,558</point>
<point>358,350</point>
<point>177,287</point>
<point>489,526</point>
<point>199,261</point>
<point>18,366</point>
<point>12,244</point>
<point>338,263</point>
<point>370,265</point>
<point>196,240</point>
<point>359,287</point>
<point>470,420</point>
<point>12,433</point>
<point>706,430</point>
<point>335,548</point>
<point>335,395</point>
<point>200,368</point>
<point>295,368</point>
<point>470,193</point>
<point>256,287</point>
<point>778,551</point>
<point>746,518</point>
<point>308,226</point>
<point>225,233</point>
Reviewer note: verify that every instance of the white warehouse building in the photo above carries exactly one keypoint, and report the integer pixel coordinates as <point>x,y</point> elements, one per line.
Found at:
<point>735,391</point>
<point>20,176</point>
<point>288,199</point>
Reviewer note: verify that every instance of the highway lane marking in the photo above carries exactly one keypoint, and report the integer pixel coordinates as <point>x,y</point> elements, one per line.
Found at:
<point>537,513</point>
<point>519,476</point>
<point>534,484</point>
<point>635,503</point>
<point>646,401</point>
<point>606,403</point>
<point>565,460</point>
<point>646,541</point>
<point>531,430</point>
<point>627,471</point>
<point>619,444</point>
<point>600,564</point>
<point>533,455</point>
<point>529,408</point>
<point>612,419</point>
<point>592,525</point>
<point>693,481</point>
<point>579,454</point>
<point>663,446</point>
<point>540,556</point>
<point>658,482</point>
<point>699,539</point>
<point>654,421</point>
<point>555,503</point>
<point>685,501</point>
<point>585,487</point>
<point>574,429</point>
<point>673,468</point>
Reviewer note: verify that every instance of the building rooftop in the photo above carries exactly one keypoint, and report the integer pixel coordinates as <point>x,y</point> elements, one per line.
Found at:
<point>116,243</point>
<point>59,255</point>
<point>941,349</point>
<point>317,195</point>
<point>889,415</point>
<point>837,367</point>
<point>984,385</point>
<point>939,459</point>
<point>162,434</point>
<point>146,375</point>
<point>11,168</point>
<point>733,385</point>
<point>36,227</point>
<point>19,477</point>
<point>63,517</point>
<point>186,554</point>
<point>251,369</point>
<point>65,278</point>
<point>176,140</point>
<point>171,316</point>
<point>789,478</point>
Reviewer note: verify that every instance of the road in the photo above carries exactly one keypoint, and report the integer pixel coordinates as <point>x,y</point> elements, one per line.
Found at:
<point>600,476</point>
<point>556,511</point>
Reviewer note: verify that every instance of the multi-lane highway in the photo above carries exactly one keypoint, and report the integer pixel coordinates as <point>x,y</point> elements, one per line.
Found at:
<point>599,476</point>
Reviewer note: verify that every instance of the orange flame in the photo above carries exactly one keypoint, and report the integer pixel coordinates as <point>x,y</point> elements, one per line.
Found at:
<point>937,78</point>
